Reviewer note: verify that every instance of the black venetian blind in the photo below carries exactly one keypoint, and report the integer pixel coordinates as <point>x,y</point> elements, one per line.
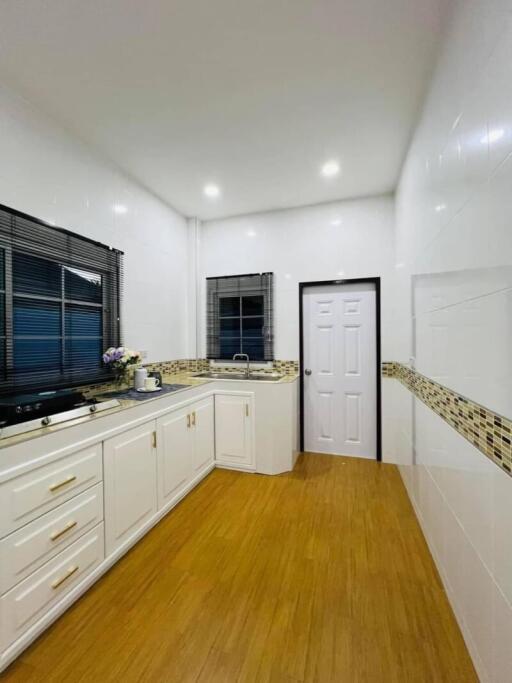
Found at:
<point>59,305</point>
<point>240,317</point>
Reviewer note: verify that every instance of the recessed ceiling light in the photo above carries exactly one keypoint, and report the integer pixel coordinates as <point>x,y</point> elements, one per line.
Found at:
<point>440,207</point>
<point>120,208</point>
<point>211,190</point>
<point>336,222</point>
<point>330,169</point>
<point>251,233</point>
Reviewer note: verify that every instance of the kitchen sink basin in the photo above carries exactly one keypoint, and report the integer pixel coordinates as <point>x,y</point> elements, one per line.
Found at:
<point>240,376</point>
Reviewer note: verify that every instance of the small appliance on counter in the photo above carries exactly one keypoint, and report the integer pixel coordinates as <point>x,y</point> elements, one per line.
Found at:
<point>139,378</point>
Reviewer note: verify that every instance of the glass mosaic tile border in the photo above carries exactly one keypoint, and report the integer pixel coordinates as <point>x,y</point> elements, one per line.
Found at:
<point>486,430</point>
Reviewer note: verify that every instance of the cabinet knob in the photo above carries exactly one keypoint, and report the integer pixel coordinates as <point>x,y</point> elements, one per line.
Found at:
<point>307,372</point>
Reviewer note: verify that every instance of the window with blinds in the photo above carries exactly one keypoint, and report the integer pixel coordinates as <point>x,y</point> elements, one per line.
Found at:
<point>240,317</point>
<point>60,299</point>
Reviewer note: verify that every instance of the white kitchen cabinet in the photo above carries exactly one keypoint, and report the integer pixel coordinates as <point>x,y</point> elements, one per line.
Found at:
<point>130,482</point>
<point>204,434</point>
<point>185,440</point>
<point>234,441</point>
<point>175,462</point>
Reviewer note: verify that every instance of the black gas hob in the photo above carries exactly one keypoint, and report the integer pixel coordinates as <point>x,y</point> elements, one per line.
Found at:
<point>25,412</point>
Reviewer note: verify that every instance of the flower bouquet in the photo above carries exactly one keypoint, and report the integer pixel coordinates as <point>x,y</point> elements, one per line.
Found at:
<point>119,359</point>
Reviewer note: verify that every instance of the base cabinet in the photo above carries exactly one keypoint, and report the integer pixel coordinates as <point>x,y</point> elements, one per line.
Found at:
<point>130,484</point>
<point>203,421</point>
<point>185,440</point>
<point>234,443</point>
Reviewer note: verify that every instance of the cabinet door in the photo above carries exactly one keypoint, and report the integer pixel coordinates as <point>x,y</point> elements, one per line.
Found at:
<point>130,484</point>
<point>175,453</point>
<point>204,434</point>
<point>233,430</point>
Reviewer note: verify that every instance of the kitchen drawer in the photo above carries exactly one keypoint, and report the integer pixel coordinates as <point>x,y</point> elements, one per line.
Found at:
<point>31,599</point>
<point>27,549</point>
<point>27,497</point>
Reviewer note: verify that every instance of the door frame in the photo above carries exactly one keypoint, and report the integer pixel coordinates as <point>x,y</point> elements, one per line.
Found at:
<point>354,281</point>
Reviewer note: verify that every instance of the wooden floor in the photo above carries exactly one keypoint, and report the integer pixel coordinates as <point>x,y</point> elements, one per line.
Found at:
<point>320,575</point>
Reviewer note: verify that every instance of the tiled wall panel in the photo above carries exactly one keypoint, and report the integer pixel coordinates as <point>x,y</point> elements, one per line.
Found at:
<point>453,266</point>
<point>49,174</point>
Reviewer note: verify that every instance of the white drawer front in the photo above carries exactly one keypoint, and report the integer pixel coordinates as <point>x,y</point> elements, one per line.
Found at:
<point>24,498</point>
<point>27,549</point>
<point>24,605</point>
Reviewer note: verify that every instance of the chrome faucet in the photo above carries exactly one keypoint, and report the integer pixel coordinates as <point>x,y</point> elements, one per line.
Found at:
<point>239,356</point>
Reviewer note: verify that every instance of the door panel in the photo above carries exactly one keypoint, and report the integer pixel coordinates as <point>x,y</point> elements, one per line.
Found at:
<point>130,484</point>
<point>175,453</point>
<point>340,393</point>
<point>204,435</point>
<point>233,430</point>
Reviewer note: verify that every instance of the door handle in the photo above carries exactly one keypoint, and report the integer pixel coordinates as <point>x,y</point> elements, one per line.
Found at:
<point>307,372</point>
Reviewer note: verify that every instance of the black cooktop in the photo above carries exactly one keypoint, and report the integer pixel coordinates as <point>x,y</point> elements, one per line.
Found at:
<point>22,407</point>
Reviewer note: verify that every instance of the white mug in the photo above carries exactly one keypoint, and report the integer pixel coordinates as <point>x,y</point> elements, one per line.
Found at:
<point>151,383</point>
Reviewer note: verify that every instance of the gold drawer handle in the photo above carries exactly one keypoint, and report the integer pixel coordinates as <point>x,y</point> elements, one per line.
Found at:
<point>62,483</point>
<point>70,572</point>
<point>188,420</point>
<point>58,534</point>
<point>194,419</point>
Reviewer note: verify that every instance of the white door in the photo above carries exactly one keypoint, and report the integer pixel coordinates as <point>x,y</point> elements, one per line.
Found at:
<point>204,434</point>
<point>175,454</point>
<point>130,484</point>
<point>340,370</point>
<point>233,430</point>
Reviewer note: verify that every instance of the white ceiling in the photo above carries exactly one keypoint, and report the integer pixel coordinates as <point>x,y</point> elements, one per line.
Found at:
<point>251,94</point>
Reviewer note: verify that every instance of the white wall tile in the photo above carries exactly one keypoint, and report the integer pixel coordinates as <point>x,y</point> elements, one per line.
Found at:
<point>50,175</point>
<point>454,244</point>
<point>339,240</point>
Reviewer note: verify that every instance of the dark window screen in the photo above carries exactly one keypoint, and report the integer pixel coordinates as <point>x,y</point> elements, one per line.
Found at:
<point>240,317</point>
<point>60,300</point>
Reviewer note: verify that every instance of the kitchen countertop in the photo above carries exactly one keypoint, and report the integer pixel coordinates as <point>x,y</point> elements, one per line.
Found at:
<point>186,378</point>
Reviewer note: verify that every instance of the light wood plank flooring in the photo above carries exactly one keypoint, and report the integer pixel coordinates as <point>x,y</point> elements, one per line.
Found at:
<point>319,575</point>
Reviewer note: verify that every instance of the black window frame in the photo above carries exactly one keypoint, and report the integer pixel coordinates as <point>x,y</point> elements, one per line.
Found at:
<point>29,236</point>
<point>240,287</point>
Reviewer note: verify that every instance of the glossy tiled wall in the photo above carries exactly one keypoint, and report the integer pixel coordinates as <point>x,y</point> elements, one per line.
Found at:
<point>49,174</point>
<point>486,430</point>
<point>453,312</point>
<point>346,239</point>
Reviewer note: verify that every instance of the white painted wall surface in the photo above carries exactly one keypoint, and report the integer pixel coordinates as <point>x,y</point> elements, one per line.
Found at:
<point>454,258</point>
<point>349,239</point>
<point>50,175</point>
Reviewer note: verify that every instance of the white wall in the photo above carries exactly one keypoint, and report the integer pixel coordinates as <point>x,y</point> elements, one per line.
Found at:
<point>50,175</point>
<point>454,257</point>
<point>347,239</point>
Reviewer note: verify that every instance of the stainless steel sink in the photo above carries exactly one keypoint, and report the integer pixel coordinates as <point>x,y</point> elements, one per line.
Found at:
<point>240,376</point>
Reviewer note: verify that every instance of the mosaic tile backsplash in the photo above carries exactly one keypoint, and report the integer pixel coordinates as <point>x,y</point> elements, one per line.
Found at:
<point>489,432</point>
<point>172,367</point>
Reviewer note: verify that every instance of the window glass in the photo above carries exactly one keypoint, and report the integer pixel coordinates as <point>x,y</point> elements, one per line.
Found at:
<point>229,327</point>
<point>83,321</point>
<point>33,275</point>
<point>252,305</point>
<point>2,315</point>
<point>81,285</point>
<point>229,346</point>
<point>37,354</point>
<point>37,318</point>
<point>83,352</point>
<point>252,327</point>
<point>253,347</point>
<point>229,306</point>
